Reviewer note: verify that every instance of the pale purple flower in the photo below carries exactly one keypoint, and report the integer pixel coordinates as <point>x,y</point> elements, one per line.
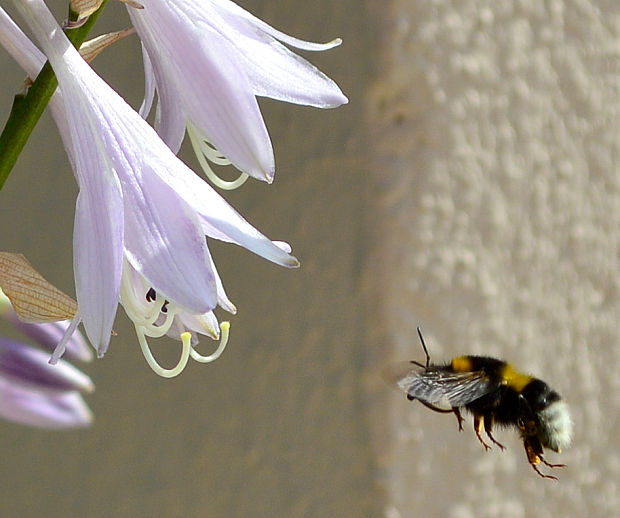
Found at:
<point>35,393</point>
<point>209,60</point>
<point>29,368</point>
<point>138,204</point>
<point>41,409</point>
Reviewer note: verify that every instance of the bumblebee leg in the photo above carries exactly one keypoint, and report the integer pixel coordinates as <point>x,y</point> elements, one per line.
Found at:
<point>431,406</point>
<point>548,464</point>
<point>488,426</point>
<point>534,459</point>
<point>478,429</point>
<point>542,474</point>
<point>459,417</point>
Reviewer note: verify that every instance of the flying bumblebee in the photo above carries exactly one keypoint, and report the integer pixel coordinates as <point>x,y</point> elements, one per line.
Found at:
<point>493,392</point>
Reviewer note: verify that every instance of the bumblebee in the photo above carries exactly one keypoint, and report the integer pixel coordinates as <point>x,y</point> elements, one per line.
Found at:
<point>494,393</point>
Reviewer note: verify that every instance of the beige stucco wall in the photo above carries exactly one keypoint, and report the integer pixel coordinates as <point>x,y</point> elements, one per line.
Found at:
<point>497,139</point>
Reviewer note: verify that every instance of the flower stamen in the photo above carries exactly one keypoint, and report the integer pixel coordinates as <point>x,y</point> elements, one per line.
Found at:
<point>207,153</point>
<point>59,350</point>
<point>224,328</point>
<point>186,351</point>
<point>153,316</point>
<point>141,314</point>
<point>186,339</point>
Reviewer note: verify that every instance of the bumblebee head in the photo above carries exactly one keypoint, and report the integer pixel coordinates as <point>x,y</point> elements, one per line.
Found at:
<point>554,424</point>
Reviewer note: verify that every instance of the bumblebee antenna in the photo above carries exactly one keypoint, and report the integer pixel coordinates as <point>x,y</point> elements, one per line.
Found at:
<point>428,358</point>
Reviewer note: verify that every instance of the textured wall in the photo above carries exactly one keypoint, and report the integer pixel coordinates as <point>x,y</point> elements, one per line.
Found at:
<point>498,194</point>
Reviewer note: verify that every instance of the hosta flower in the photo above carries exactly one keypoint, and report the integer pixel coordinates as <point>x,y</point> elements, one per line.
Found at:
<point>137,203</point>
<point>34,393</point>
<point>209,59</point>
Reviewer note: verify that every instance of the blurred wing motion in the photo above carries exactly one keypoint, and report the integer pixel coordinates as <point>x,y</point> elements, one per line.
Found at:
<point>438,386</point>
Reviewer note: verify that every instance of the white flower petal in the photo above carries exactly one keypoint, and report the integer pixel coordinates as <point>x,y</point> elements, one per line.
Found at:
<point>274,70</point>
<point>212,89</point>
<point>220,221</point>
<point>222,299</point>
<point>212,58</point>
<point>54,411</point>
<point>237,11</point>
<point>30,368</point>
<point>164,242</point>
<point>280,74</point>
<point>170,120</point>
<point>98,268</point>
<point>149,85</point>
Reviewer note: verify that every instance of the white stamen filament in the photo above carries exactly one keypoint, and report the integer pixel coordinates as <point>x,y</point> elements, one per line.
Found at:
<point>59,350</point>
<point>186,351</point>
<point>159,330</point>
<point>207,153</point>
<point>186,338</point>
<point>146,313</point>
<point>224,328</point>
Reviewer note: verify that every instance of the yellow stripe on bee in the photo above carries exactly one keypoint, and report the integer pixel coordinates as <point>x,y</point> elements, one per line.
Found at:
<point>514,379</point>
<point>462,364</point>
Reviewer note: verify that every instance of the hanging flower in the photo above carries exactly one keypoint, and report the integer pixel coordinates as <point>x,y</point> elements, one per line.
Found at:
<point>209,60</point>
<point>137,203</point>
<point>34,393</point>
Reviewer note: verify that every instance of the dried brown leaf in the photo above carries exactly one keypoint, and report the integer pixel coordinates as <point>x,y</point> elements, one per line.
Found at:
<point>33,298</point>
<point>91,48</point>
<point>85,8</point>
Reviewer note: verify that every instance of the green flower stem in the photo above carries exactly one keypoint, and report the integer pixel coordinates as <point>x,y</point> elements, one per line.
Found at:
<point>27,109</point>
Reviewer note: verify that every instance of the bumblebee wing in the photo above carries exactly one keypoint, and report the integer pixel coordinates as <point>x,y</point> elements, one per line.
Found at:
<point>441,387</point>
